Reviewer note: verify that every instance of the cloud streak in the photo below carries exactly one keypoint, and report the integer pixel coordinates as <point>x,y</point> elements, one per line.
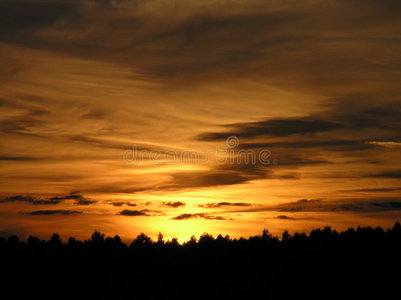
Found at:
<point>138,213</point>
<point>200,215</point>
<point>224,204</point>
<point>53,212</point>
<point>120,203</point>
<point>174,204</point>
<point>133,213</point>
<point>359,205</point>
<point>388,174</point>
<point>280,128</point>
<point>77,198</point>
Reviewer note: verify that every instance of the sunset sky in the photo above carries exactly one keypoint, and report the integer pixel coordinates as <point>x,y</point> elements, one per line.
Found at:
<point>102,101</point>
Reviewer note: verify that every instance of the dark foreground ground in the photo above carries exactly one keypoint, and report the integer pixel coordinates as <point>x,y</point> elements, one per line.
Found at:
<point>355,263</point>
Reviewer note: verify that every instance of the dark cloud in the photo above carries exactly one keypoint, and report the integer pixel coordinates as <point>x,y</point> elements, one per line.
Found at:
<point>199,215</point>
<point>77,198</point>
<point>143,212</point>
<point>119,203</point>
<point>85,202</point>
<point>288,218</point>
<point>274,127</point>
<point>30,199</point>
<point>359,205</point>
<point>246,38</point>
<point>283,217</point>
<point>53,212</point>
<point>186,216</point>
<point>133,213</point>
<point>368,206</point>
<point>174,204</point>
<point>302,205</point>
<point>19,20</point>
<point>224,204</point>
<point>346,121</point>
<point>369,190</point>
<point>333,145</point>
<point>359,130</point>
<point>388,205</point>
<point>16,158</point>
<point>205,179</point>
<point>21,124</point>
<point>362,130</point>
<point>256,40</point>
<point>388,174</point>
<point>380,116</point>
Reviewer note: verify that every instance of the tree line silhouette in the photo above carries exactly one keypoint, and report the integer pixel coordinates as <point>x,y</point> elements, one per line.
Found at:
<point>360,261</point>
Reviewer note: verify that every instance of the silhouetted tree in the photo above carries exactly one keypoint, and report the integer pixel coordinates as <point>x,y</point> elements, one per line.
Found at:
<point>13,241</point>
<point>160,239</point>
<point>286,236</point>
<point>191,243</point>
<point>206,240</point>
<point>33,242</point>
<point>117,241</point>
<point>266,236</point>
<point>262,263</point>
<point>141,240</point>
<point>97,238</point>
<point>73,243</point>
<point>396,230</point>
<point>3,243</point>
<point>55,240</point>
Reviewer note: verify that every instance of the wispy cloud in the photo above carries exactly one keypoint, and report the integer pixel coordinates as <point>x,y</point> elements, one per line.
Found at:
<point>133,213</point>
<point>224,204</point>
<point>174,204</point>
<point>388,174</point>
<point>283,127</point>
<point>284,217</point>
<point>120,203</point>
<point>143,212</point>
<point>29,199</point>
<point>77,198</point>
<point>374,190</point>
<point>53,212</point>
<point>199,215</point>
<point>357,205</point>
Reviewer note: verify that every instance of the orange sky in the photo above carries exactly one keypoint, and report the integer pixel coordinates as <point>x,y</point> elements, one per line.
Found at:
<point>314,83</point>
